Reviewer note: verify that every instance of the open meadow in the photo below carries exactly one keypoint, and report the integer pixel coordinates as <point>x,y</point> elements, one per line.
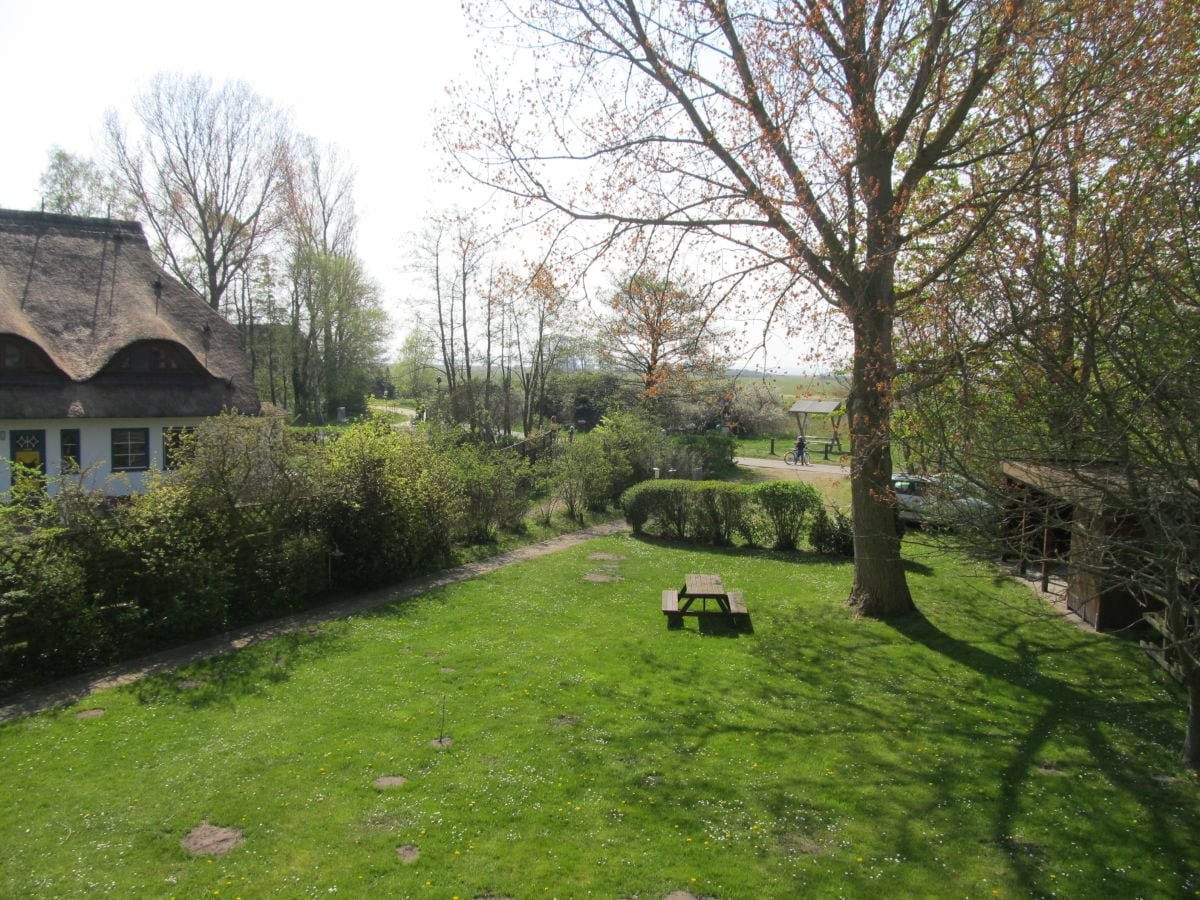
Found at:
<point>539,732</point>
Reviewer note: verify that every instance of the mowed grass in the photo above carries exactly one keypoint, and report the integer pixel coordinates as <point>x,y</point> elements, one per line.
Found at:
<point>980,748</point>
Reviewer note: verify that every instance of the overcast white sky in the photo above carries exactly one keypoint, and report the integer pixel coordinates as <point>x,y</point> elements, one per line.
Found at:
<point>361,74</point>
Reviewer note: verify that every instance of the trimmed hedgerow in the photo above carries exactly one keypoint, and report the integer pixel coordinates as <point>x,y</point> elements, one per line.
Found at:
<point>717,510</point>
<point>832,535</point>
<point>665,504</point>
<point>786,505</point>
<point>772,514</point>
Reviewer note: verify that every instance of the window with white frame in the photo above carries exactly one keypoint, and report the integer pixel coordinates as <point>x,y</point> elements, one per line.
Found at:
<point>130,449</point>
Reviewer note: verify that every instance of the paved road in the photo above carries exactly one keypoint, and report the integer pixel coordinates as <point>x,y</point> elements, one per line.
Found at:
<point>822,468</point>
<point>70,690</point>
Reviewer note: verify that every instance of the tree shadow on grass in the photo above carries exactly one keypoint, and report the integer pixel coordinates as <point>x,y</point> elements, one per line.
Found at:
<point>224,680</point>
<point>917,568</point>
<point>1068,712</point>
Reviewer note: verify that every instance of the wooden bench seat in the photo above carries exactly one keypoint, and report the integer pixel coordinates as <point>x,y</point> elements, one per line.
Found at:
<point>670,607</point>
<point>736,605</point>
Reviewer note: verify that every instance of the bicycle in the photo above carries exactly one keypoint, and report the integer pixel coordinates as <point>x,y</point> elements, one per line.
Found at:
<point>791,458</point>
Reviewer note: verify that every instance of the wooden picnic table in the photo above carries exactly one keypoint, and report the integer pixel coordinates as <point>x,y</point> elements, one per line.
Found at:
<point>677,604</point>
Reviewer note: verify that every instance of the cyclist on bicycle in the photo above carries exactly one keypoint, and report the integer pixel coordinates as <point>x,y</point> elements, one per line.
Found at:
<point>802,450</point>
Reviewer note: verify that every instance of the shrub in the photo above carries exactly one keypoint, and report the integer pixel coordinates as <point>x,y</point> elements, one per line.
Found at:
<point>673,507</point>
<point>667,504</point>
<point>637,505</point>
<point>711,451</point>
<point>47,624</point>
<point>754,527</point>
<point>177,561</point>
<point>495,486</point>
<point>786,504</point>
<point>630,442</point>
<point>287,573</point>
<point>237,462</point>
<point>584,475</point>
<point>387,502</point>
<point>717,509</point>
<point>832,535</point>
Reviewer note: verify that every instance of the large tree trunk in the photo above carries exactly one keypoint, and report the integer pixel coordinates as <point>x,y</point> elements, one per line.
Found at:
<point>880,588</point>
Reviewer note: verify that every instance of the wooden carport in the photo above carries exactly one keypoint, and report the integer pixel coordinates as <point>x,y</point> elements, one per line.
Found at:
<point>1057,512</point>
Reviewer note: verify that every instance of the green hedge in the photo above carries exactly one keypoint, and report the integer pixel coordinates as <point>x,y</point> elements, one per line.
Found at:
<point>253,525</point>
<point>776,514</point>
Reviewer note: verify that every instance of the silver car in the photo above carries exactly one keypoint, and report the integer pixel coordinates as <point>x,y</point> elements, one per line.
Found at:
<point>943,499</point>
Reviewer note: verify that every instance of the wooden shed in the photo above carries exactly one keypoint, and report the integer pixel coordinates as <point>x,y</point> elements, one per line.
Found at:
<point>1057,513</point>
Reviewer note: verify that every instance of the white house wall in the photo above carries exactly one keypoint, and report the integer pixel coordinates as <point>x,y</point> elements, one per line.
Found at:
<point>95,438</point>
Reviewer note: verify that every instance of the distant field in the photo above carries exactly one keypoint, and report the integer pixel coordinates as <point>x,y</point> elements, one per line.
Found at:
<point>791,388</point>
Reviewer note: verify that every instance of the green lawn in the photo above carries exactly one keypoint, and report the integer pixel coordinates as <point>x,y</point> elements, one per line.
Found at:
<point>980,748</point>
<point>761,447</point>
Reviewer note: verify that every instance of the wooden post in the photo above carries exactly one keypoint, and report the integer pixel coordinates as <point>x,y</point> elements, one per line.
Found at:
<point>1046,553</point>
<point>1023,538</point>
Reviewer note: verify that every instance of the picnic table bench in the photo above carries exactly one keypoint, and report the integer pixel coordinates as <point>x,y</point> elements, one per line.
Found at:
<point>679,603</point>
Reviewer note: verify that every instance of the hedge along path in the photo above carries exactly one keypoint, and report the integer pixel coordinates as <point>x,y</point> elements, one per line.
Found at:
<point>75,688</point>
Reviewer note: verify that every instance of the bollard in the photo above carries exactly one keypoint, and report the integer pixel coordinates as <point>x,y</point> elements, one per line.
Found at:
<point>772,446</point>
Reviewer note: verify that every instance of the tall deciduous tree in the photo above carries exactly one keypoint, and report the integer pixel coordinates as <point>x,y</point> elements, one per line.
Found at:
<point>540,314</point>
<point>337,323</point>
<point>660,332</point>
<point>78,186</point>
<point>1071,334</point>
<point>451,258</point>
<point>817,135</point>
<point>205,170</point>
<point>414,370</point>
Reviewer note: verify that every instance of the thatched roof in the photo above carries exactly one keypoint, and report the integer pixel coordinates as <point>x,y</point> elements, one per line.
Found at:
<point>86,290</point>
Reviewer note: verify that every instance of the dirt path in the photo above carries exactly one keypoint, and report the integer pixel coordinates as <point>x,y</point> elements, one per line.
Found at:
<point>69,690</point>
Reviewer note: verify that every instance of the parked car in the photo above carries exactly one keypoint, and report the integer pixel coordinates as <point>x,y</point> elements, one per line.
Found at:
<point>946,500</point>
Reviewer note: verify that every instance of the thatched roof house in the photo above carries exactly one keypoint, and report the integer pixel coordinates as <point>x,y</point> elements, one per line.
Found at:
<point>92,328</point>
<point>107,331</point>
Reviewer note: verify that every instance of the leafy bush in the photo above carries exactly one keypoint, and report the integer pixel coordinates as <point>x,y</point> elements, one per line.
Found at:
<point>386,503</point>
<point>673,507</point>
<point>754,528</point>
<point>666,503</point>
<point>717,510</point>
<point>711,451</point>
<point>241,462</point>
<point>637,503</point>
<point>585,475</point>
<point>786,504</point>
<point>177,562</point>
<point>630,442</point>
<point>48,626</point>
<point>832,534</point>
<point>495,487</point>
<point>287,572</point>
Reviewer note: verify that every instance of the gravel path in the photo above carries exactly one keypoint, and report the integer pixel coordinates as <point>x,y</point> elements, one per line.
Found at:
<point>69,690</point>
